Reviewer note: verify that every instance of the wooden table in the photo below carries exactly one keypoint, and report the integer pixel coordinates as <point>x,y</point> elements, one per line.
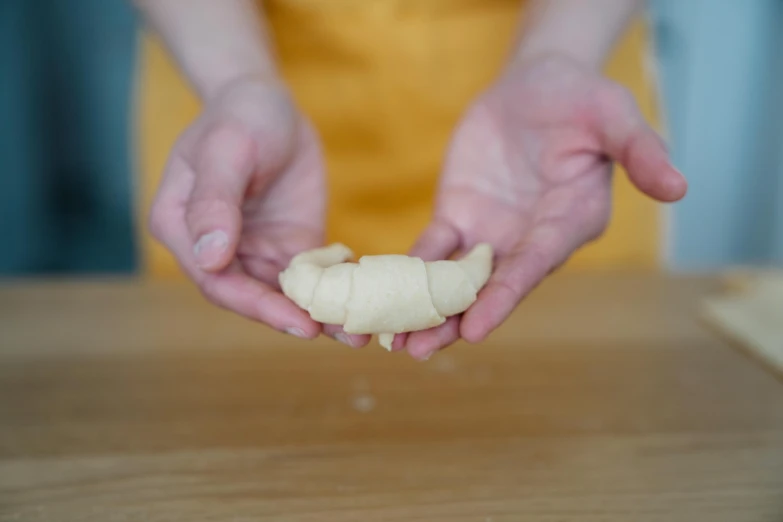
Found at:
<point>602,399</point>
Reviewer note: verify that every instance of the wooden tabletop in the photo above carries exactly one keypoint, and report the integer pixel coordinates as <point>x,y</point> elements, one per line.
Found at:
<point>602,399</point>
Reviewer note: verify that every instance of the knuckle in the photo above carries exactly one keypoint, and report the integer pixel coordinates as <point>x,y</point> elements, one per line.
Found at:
<point>157,224</point>
<point>597,219</point>
<point>594,213</point>
<point>228,135</point>
<point>207,204</point>
<point>540,259</point>
<point>226,147</point>
<point>204,209</point>
<point>617,98</point>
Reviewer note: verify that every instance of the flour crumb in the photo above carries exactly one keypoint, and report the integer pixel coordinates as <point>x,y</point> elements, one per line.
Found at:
<point>364,403</point>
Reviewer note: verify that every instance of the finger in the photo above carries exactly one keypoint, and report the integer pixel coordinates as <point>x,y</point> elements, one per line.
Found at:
<point>337,333</point>
<point>266,251</point>
<point>437,241</point>
<point>422,344</point>
<point>262,269</point>
<point>627,138</point>
<point>232,289</point>
<point>398,344</point>
<point>519,272</point>
<point>244,295</point>
<point>223,164</point>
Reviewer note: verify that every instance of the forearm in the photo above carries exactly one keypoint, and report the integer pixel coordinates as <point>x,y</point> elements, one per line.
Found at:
<point>585,30</point>
<point>215,42</point>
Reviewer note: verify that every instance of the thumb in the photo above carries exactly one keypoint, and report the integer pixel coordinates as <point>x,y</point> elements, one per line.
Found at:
<point>629,140</point>
<point>223,165</point>
<point>438,241</point>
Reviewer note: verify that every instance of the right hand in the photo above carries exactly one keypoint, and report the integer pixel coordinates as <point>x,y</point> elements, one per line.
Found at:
<point>243,192</point>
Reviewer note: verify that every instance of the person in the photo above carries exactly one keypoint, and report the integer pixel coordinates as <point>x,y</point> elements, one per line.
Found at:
<point>528,168</point>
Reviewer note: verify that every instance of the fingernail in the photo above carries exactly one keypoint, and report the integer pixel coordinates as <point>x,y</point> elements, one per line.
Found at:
<point>298,332</point>
<point>209,247</point>
<point>343,338</point>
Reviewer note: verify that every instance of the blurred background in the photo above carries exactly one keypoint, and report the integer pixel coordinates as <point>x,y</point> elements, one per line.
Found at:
<point>90,107</point>
<point>66,84</point>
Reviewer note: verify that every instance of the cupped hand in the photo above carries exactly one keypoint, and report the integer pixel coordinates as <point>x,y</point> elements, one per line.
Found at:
<point>529,171</point>
<point>243,192</point>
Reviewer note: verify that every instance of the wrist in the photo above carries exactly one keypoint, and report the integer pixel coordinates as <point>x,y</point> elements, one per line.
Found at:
<point>215,43</point>
<point>580,31</point>
<point>537,63</point>
<point>214,85</point>
<point>529,52</point>
<point>221,71</point>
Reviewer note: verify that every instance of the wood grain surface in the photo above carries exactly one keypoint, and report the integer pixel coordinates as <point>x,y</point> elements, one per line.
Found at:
<point>603,399</point>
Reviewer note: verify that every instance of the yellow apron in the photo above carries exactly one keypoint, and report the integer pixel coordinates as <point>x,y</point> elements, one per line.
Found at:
<point>385,82</point>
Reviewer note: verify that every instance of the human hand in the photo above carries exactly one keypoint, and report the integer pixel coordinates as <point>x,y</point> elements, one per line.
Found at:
<point>243,192</point>
<point>529,171</point>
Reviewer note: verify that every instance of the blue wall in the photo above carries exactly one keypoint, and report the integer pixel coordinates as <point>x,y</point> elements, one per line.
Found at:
<point>65,95</point>
<point>721,70</point>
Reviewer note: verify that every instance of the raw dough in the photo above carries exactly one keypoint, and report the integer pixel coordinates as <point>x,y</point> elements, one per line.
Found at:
<point>751,313</point>
<point>386,294</point>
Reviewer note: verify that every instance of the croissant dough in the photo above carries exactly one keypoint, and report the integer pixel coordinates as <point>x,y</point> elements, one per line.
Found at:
<point>386,294</point>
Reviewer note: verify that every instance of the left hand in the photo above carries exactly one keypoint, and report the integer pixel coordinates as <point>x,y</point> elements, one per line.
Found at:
<point>529,171</point>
